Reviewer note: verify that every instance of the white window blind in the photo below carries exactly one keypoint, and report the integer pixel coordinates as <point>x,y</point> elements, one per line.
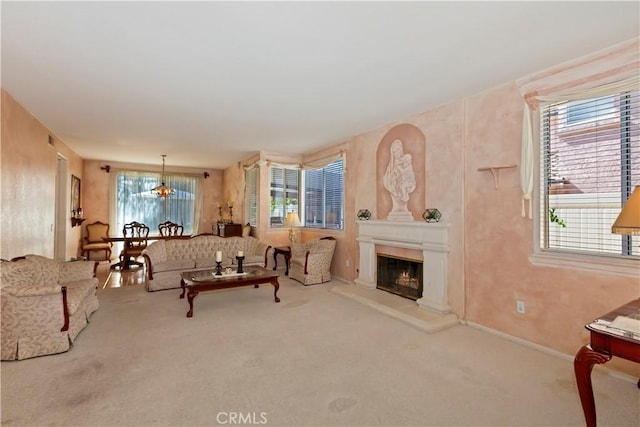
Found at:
<point>284,194</point>
<point>590,162</point>
<point>251,194</point>
<point>324,197</point>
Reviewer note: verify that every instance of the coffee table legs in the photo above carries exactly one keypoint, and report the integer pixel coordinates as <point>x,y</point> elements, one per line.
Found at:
<point>192,293</point>
<point>183,285</point>
<point>190,296</point>
<point>276,286</point>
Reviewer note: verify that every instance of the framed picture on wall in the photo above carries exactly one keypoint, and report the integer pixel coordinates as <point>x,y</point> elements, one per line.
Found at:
<point>75,194</point>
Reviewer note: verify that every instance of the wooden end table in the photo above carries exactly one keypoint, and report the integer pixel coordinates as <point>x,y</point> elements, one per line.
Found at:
<point>606,341</point>
<point>194,282</point>
<point>286,251</point>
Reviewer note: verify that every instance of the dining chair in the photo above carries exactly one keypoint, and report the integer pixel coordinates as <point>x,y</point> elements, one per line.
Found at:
<point>170,229</point>
<point>94,240</point>
<point>136,237</point>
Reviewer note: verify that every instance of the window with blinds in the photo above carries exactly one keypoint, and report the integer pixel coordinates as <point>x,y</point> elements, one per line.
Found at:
<point>251,195</point>
<point>324,197</point>
<point>134,200</point>
<point>284,194</point>
<point>590,162</point>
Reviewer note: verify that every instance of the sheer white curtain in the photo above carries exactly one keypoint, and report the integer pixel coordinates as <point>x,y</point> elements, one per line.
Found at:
<point>131,199</point>
<point>198,204</point>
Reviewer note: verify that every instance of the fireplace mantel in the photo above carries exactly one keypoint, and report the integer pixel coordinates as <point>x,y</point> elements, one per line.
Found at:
<point>431,238</point>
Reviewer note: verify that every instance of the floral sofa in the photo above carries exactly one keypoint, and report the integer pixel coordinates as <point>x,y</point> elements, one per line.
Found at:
<point>45,304</point>
<point>166,259</point>
<point>311,261</point>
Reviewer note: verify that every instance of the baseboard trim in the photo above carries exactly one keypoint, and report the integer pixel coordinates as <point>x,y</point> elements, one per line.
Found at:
<point>606,370</point>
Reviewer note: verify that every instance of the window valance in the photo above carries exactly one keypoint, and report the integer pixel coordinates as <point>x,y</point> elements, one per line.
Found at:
<point>588,77</point>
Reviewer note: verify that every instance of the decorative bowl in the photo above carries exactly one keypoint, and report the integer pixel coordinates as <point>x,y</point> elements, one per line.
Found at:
<point>432,215</point>
<point>364,214</point>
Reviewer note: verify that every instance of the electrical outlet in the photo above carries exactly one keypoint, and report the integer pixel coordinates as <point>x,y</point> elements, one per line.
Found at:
<point>348,263</point>
<point>520,306</point>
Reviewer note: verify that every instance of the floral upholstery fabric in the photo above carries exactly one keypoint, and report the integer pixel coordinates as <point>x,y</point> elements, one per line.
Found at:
<point>32,304</point>
<point>318,261</point>
<point>166,259</point>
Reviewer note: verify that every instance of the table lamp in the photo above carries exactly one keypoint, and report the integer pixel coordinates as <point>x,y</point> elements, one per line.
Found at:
<point>628,221</point>
<point>292,220</point>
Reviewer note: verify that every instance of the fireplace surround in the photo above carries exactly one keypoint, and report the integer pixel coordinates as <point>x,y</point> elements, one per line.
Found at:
<point>430,238</point>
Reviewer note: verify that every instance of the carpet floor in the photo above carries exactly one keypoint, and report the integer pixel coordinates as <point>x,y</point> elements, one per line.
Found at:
<point>314,359</point>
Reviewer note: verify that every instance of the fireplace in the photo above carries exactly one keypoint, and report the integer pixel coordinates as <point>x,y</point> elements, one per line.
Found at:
<point>432,239</point>
<point>401,276</point>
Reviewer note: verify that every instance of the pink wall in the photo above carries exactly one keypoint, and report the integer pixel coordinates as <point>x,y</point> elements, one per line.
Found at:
<point>28,177</point>
<point>498,243</point>
<point>95,191</point>
<point>233,192</point>
<point>29,185</point>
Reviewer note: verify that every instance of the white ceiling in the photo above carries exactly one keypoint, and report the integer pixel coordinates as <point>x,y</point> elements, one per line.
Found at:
<point>211,83</point>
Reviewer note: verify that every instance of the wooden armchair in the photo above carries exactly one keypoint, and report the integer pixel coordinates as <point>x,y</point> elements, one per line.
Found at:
<point>136,237</point>
<point>170,229</point>
<point>94,240</point>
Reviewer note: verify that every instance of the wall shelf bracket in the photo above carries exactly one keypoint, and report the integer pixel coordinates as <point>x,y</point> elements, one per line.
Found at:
<point>495,171</point>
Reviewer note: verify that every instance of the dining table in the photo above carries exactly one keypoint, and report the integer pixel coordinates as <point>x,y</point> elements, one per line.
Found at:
<point>125,264</point>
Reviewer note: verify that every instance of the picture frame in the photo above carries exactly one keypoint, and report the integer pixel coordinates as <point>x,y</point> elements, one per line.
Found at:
<point>75,194</point>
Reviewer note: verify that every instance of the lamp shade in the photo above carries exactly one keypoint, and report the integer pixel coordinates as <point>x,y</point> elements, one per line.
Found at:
<point>292,220</point>
<point>628,221</point>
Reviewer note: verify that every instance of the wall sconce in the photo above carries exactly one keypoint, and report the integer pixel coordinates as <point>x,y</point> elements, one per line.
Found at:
<point>206,175</point>
<point>106,168</point>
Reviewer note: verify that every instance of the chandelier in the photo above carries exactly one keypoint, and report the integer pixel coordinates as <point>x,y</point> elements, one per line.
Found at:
<point>163,190</point>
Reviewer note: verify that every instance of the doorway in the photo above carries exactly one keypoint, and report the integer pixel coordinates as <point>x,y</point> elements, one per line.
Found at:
<point>60,227</point>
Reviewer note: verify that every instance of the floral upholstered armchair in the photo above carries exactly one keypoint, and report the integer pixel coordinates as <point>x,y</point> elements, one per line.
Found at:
<point>45,304</point>
<point>311,261</point>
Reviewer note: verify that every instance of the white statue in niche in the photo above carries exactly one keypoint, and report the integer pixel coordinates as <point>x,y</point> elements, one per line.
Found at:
<point>400,181</point>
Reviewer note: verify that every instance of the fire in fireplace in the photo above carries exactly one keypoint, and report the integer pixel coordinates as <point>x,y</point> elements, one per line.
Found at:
<point>400,276</point>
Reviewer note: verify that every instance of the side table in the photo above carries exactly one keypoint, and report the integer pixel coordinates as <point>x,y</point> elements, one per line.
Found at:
<point>286,251</point>
<point>613,334</point>
<point>230,230</point>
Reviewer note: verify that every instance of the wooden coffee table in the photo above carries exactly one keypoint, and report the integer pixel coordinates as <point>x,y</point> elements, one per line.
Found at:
<point>194,282</point>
